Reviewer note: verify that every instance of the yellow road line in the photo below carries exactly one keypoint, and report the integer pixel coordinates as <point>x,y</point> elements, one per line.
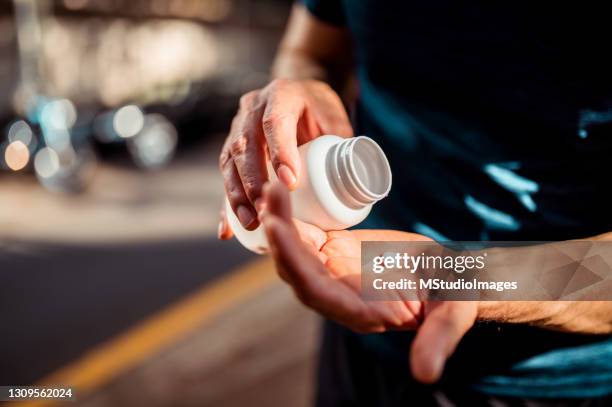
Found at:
<point>107,361</point>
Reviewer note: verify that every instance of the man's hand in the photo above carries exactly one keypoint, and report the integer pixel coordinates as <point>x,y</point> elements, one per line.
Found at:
<point>324,271</point>
<point>270,124</point>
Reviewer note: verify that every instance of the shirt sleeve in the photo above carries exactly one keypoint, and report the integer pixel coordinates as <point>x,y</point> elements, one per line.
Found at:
<point>329,11</point>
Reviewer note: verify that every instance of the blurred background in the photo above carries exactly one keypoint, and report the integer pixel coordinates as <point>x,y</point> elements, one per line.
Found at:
<point>112,115</point>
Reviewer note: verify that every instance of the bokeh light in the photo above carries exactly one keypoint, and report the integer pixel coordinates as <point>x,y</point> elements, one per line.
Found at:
<point>20,131</point>
<point>128,121</point>
<point>59,114</point>
<point>46,163</point>
<point>126,60</point>
<point>154,146</point>
<point>16,155</point>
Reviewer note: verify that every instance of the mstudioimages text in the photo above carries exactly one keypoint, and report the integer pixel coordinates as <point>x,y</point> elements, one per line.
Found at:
<point>440,284</point>
<point>412,263</point>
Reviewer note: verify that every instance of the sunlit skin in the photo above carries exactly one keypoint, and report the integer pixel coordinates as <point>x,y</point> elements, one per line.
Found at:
<point>271,123</point>
<point>323,268</point>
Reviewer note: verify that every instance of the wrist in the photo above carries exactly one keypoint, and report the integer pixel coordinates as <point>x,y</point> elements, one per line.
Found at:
<point>540,313</point>
<point>490,311</point>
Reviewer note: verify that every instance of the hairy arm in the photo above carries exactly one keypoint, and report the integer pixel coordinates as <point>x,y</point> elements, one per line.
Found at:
<point>588,317</point>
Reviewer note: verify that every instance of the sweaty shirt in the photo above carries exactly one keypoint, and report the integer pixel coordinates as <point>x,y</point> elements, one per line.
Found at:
<point>496,118</point>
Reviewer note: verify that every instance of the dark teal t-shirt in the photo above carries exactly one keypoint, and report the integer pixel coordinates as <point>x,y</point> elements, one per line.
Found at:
<point>497,121</point>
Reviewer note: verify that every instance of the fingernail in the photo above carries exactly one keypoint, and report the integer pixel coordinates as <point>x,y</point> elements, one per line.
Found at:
<point>245,215</point>
<point>286,175</point>
<point>259,205</point>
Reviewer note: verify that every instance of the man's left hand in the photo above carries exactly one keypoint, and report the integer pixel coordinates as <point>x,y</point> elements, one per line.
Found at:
<point>323,268</point>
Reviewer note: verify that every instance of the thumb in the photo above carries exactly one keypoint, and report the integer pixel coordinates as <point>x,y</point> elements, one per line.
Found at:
<point>442,329</point>
<point>277,201</point>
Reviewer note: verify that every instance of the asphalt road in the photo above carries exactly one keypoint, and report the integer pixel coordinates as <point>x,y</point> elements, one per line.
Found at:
<point>58,300</point>
<point>75,270</point>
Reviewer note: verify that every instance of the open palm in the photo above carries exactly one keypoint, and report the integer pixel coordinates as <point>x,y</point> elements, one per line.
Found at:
<point>323,268</point>
<point>339,252</point>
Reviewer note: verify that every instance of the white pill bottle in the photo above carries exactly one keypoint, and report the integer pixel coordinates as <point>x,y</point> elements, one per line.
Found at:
<point>340,181</point>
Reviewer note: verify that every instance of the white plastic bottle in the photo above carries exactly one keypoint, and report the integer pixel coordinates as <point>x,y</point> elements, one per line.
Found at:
<point>341,179</point>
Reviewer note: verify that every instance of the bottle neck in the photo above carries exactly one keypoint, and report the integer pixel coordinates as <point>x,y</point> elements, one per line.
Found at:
<point>359,171</point>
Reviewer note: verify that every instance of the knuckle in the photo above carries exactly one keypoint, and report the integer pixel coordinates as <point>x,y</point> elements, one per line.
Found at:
<point>235,195</point>
<point>271,122</point>
<point>251,187</point>
<point>234,191</point>
<point>225,158</point>
<point>274,125</point>
<point>239,145</point>
<point>248,99</point>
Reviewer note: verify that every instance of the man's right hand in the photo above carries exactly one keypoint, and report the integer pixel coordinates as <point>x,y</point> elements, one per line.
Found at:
<point>270,124</point>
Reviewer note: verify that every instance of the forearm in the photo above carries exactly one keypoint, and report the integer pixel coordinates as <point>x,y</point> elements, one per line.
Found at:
<point>296,64</point>
<point>311,49</point>
<point>590,317</point>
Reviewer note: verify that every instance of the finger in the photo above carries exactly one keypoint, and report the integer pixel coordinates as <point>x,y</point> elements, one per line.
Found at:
<point>395,313</point>
<point>438,336</point>
<point>234,191</point>
<point>277,201</point>
<point>278,204</point>
<point>305,272</point>
<point>309,279</point>
<point>280,120</point>
<point>247,147</point>
<point>224,232</point>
